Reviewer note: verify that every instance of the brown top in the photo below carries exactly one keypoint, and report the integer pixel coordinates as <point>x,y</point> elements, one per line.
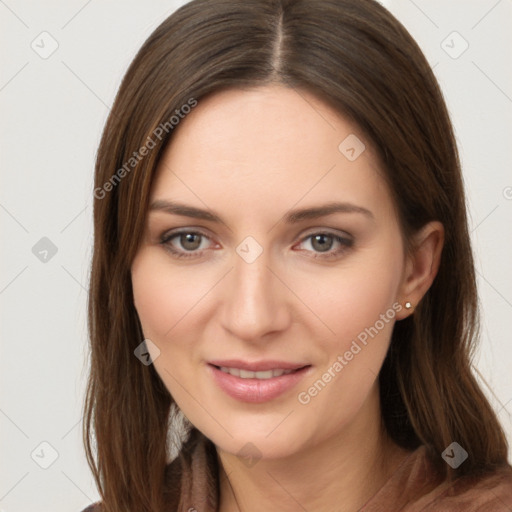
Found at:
<point>415,486</point>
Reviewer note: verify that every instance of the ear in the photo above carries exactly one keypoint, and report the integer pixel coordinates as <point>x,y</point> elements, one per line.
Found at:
<point>421,266</point>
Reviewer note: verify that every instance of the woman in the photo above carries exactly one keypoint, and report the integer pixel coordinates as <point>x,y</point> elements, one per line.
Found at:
<point>282,264</point>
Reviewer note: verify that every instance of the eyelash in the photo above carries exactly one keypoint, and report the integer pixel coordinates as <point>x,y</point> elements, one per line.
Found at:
<point>346,244</point>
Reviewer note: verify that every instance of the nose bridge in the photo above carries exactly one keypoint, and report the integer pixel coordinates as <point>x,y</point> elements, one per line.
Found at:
<point>254,303</point>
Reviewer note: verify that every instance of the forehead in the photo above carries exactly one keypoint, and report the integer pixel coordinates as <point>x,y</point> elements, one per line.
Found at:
<point>266,146</point>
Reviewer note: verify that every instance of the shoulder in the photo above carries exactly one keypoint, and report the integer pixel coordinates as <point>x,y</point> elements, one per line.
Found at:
<point>416,486</point>
<point>95,507</point>
<point>486,493</point>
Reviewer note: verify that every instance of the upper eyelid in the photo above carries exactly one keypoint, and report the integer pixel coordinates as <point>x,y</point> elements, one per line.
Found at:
<point>180,231</point>
<point>167,236</point>
<point>309,232</point>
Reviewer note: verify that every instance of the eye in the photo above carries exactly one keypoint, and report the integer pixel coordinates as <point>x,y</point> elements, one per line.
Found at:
<point>323,242</point>
<point>190,243</point>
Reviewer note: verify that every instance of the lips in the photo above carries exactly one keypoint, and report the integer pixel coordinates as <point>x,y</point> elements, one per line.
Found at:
<point>256,382</point>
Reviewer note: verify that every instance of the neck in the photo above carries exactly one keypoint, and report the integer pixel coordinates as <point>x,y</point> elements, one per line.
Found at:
<point>339,473</point>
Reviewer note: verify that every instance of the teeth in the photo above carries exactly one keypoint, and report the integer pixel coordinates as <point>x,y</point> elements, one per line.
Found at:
<point>246,374</point>
<point>234,371</point>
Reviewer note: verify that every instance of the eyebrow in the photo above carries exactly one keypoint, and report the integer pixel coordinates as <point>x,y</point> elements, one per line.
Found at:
<point>292,217</point>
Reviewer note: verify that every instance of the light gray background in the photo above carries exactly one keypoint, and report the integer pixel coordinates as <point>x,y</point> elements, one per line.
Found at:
<point>52,114</point>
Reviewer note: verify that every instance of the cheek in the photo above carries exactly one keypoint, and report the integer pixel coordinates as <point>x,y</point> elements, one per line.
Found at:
<point>362,322</point>
<point>351,298</point>
<point>164,295</point>
<point>165,300</point>
<point>155,306</point>
<point>358,304</point>
<point>350,365</point>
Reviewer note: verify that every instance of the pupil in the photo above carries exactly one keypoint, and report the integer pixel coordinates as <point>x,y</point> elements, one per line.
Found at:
<point>322,247</point>
<point>189,239</point>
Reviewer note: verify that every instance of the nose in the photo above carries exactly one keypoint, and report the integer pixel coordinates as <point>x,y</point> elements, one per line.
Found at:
<point>255,300</point>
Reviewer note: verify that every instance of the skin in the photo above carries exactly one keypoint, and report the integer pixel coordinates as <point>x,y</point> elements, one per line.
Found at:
<point>251,156</point>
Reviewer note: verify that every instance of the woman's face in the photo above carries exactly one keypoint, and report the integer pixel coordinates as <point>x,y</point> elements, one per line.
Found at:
<point>247,275</point>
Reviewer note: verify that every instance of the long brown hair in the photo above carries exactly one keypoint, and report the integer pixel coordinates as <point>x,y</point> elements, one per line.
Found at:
<point>355,56</point>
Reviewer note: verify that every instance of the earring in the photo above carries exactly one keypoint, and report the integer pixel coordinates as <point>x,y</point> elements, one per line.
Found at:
<point>408,305</point>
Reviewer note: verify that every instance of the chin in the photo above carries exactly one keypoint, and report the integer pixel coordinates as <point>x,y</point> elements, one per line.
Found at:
<point>265,438</point>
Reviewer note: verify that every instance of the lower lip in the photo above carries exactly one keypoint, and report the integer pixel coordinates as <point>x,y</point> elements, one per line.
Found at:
<point>256,390</point>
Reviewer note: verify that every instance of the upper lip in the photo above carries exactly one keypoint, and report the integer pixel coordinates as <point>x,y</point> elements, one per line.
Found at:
<point>257,366</point>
